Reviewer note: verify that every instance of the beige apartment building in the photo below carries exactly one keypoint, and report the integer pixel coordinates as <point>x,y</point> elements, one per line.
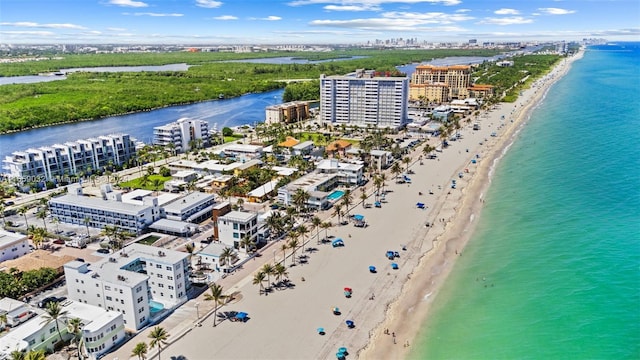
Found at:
<point>440,83</point>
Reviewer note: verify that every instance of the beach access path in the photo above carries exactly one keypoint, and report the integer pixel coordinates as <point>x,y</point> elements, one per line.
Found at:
<point>283,324</point>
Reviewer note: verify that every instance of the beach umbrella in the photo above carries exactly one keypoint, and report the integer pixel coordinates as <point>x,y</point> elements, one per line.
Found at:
<point>350,323</point>
<point>321,331</point>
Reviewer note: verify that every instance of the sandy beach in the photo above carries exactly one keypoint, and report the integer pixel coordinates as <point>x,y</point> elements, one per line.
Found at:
<point>283,324</point>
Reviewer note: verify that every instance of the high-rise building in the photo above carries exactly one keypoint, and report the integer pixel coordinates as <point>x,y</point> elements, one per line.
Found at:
<point>440,83</point>
<point>70,158</point>
<point>364,99</point>
<point>182,134</point>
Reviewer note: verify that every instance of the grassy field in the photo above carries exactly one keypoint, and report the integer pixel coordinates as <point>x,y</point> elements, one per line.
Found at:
<point>154,183</point>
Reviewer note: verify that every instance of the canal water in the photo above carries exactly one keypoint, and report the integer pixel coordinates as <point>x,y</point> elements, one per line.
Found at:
<point>246,109</point>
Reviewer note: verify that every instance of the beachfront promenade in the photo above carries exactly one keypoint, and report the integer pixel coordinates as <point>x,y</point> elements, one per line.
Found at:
<point>283,324</point>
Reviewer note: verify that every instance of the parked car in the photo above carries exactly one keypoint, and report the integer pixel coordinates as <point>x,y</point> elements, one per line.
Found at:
<point>103,251</point>
<point>58,242</point>
<point>51,299</point>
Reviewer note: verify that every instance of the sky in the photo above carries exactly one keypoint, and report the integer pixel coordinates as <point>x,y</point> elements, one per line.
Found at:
<point>313,21</point>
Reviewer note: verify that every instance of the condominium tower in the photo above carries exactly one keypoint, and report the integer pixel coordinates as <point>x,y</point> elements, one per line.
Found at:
<point>440,83</point>
<point>364,99</point>
<point>182,134</point>
<point>70,158</point>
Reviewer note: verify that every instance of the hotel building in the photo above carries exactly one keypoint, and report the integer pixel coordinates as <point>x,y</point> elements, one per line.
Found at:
<point>71,157</point>
<point>181,134</point>
<point>138,281</point>
<point>362,99</point>
<point>73,208</point>
<point>194,207</point>
<point>440,83</point>
<point>101,330</point>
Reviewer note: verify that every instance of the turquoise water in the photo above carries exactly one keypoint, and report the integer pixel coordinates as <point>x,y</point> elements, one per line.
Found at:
<point>553,271</point>
<point>335,195</point>
<point>155,307</point>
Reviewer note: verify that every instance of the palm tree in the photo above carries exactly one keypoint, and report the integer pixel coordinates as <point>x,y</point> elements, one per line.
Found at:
<point>42,215</point>
<point>56,221</point>
<point>158,338</point>
<point>363,197</point>
<point>54,312</point>
<point>337,211</point>
<point>316,222</point>
<point>17,355</point>
<point>74,327</point>
<point>300,198</point>
<point>396,169</point>
<point>35,355</point>
<point>246,242</point>
<point>383,177</point>
<point>407,161</point>
<point>284,248</point>
<point>258,279</point>
<point>325,225</point>
<point>377,182</point>
<point>218,298</point>
<point>347,199</point>
<point>268,270</point>
<point>38,236</point>
<point>23,211</point>
<point>2,208</point>
<point>226,256</point>
<point>302,230</point>
<point>239,203</point>
<point>280,271</point>
<point>140,350</point>
<point>427,149</point>
<point>3,320</point>
<point>293,244</point>
<point>87,221</point>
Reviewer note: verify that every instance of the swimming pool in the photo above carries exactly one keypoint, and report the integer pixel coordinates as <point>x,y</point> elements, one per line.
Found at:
<point>155,307</point>
<point>337,194</point>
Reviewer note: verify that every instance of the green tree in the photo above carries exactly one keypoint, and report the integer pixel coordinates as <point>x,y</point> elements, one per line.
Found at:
<point>140,350</point>
<point>226,131</point>
<point>158,338</point>
<point>54,313</point>
<point>216,295</point>
<point>74,327</point>
<point>23,211</point>
<point>258,279</point>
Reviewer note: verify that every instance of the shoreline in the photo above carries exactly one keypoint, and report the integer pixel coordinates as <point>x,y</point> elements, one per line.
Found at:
<point>410,309</point>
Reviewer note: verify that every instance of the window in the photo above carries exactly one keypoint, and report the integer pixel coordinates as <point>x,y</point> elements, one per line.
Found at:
<point>161,285</point>
<point>168,268</point>
<point>140,299</point>
<point>158,266</point>
<point>52,330</point>
<point>142,319</point>
<point>32,342</point>
<point>98,295</point>
<point>141,310</point>
<point>170,277</point>
<point>138,289</point>
<point>121,301</point>
<point>97,285</point>
<point>236,235</point>
<point>161,294</point>
<point>115,337</point>
<point>107,287</point>
<point>109,298</point>
<point>159,276</point>
<point>170,287</point>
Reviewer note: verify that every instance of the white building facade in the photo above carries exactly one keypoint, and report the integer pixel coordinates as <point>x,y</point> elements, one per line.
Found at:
<point>138,282</point>
<point>364,100</point>
<point>235,225</point>
<point>181,134</point>
<point>12,245</point>
<point>43,163</point>
<point>101,330</point>
<point>74,208</point>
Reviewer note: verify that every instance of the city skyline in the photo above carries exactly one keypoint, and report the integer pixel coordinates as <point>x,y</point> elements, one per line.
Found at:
<point>313,21</point>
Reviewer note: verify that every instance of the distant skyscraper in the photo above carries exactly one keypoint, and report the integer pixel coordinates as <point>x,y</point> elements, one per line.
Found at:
<point>363,99</point>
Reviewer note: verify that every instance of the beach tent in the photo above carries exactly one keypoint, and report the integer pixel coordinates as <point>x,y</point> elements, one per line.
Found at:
<point>420,205</point>
<point>378,204</point>
<point>359,220</point>
<point>337,242</point>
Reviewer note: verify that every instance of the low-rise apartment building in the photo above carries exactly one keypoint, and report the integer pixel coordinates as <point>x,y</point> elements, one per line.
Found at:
<point>348,174</point>
<point>101,331</point>
<point>183,134</point>
<point>139,281</point>
<point>194,207</point>
<point>74,208</point>
<point>12,245</point>
<point>235,225</point>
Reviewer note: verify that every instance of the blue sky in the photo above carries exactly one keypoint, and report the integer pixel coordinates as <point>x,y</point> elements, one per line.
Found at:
<point>313,21</point>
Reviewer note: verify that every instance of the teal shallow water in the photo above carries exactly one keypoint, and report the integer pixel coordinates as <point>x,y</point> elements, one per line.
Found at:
<point>553,270</point>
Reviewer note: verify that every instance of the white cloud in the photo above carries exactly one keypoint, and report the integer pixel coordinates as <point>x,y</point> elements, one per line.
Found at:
<point>514,20</point>
<point>428,18</point>
<point>38,25</point>
<point>154,14</point>
<point>38,33</point>
<point>226,17</point>
<point>128,3</point>
<point>271,18</point>
<point>211,4</point>
<point>371,2</point>
<point>359,7</point>
<point>463,10</point>
<point>116,29</point>
<point>388,24</point>
<point>506,12</point>
<point>555,11</point>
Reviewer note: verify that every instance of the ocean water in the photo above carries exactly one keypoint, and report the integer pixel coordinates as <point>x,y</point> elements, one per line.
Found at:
<point>553,270</point>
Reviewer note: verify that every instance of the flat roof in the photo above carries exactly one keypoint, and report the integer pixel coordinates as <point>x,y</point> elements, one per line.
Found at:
<point>264,189</point>
<point>303,145</point>
<point>187,201</point>
<point>213,249</point>
<point>8,238</point>
<point>171,225</point>
<point>238,216</point>
<point>380,152</point>
<point>99,204</point>
<point>242,148</point>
